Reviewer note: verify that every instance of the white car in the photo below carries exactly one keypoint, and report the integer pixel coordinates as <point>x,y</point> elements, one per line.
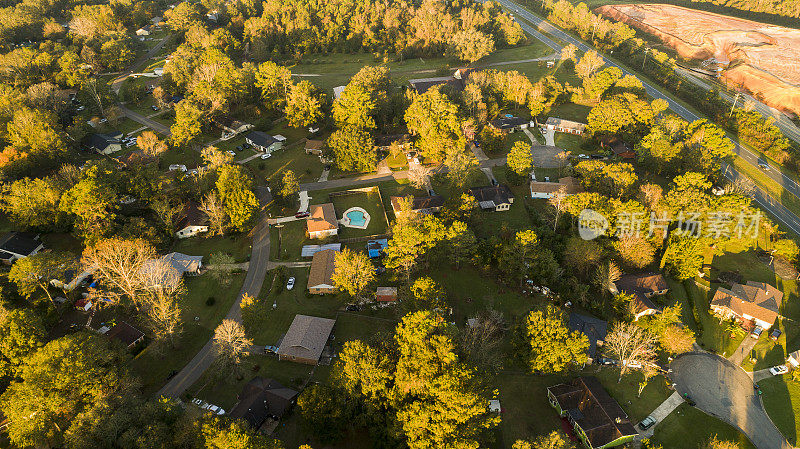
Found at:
<point>266,155</point>
<point>175,167</point>
<point>583,156</point>
<point>778,370</point>
<point>231,152</point>
<point>290,283</point>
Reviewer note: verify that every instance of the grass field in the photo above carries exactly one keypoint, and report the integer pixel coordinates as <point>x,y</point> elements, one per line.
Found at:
<point>369,201</point>
<point>688,427</point>
<point>781,398</point>
<point>236,245</point>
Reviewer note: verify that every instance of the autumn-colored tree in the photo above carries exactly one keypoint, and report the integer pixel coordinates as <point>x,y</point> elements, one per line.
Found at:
<point>21,334</point>
<point>230,343</point>
<point>303,108</point>
<point>520,158</point>
<point>553,347</point>
<point>35,272</point>
<point>289,184</point>
<point>150,144</point>
<point>353,272</point>
<point>353,149</point>
<point>118,265</point>
<point>235,190</point>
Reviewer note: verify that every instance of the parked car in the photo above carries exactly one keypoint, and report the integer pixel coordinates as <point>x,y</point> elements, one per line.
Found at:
<point>155,108</point>
<point>596,156</point>
<point>688,399</point>
<point>301,215</point>
<point>757,331</point>
<point>269,349</point>
<point>779,370</point>
<point>266,155</point>
<point>290,283</point>
<point>606,361</point>
<point>172,374</point>
<point>352,308</point>
<point>775,334</point>
<point>239,148</point>
<point>245,145</point>
<point>764,166</point>
<point>647,423</point>
<point>583,156</point>
<point>231,153</point>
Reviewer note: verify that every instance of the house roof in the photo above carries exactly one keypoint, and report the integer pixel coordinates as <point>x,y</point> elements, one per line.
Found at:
<point>508,122</point>
<point>499,194</point>
<point>312,144</point>
<point>337,92</point>
<point>418,203</point>
<point>179,261</point>
<point>561,123</point>
<point>20,243</point>
<point>322,218</point>
<point>322,267</point>
<point>306,337</point>
<point>594,410</point>
<point>192,216</point>
<point>310,250</point>
<point>642,283</point>
<point>260,138</point>
<point>422,85</point>
<point>102,141</point>
<point>595,330</point>
<point>386,294</point>
<point>570,184</point>
<point>125,333</point>
<point>225,121</point>
<point>261,398</point>
<point>757,299</point>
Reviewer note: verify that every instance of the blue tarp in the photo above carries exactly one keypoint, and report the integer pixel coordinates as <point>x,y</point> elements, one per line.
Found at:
<point>375,247</point>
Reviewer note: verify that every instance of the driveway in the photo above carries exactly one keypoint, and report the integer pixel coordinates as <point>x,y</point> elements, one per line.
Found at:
<point>259,263</point>
<point>722,389</point>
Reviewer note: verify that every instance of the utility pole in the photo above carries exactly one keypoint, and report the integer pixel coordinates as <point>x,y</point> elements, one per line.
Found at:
<point>738,93</point>
<point>646,50</point>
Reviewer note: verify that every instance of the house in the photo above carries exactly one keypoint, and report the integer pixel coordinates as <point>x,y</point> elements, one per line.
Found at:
<point>375,247</point>
<point>794,359</point>
<point>337,92</point>
<point>642,287</point>
<point>422,204</point>
<point>598,419</point>
<point>386,294</point>
<point>509,123</point>
<point>143,31</point>
<point>320,277</point>
<point>193,221</point>
<point>617,146</point>
<point>213,16</point>
<point>545,190</point>
<point>84,304</point>
<point>181,263</point>
<point>314,147</point>
<point>498,198</point>
<point>128,335</point>
<point>306,339</point>
<point>565,126</point>
<point>230,127</point>
<point>19,245</point>
<point>106,143</point>
<point>322,221</point>
<point>595,330</point>
<point>156,20</point>
<point>422,85</point>
<point>754,303</point>
<point>262,399</point>
<point>310,250</point>
<point>385,141</point>
<point>263,142</point>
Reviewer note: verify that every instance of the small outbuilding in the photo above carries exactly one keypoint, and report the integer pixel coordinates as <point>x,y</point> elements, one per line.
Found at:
<point>386,294</point>
<point>128,335</point>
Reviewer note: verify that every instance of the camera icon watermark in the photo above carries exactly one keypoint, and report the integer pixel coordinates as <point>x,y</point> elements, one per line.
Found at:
<point>591,224</point>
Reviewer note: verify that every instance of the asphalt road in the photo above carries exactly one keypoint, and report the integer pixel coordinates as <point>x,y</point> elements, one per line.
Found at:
<point>150,123</point>
<point>259,263</point>
<point>789,184</point>
<point>722,389</point>
<point>117,82</point>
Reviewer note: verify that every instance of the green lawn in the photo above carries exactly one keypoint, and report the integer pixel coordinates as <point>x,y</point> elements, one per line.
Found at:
<point>526,411</point>
<point>781,398</point>
<point>237,245</point>
<point>570,111</point>
<point>180,155</point>
<point>307,167</point>
<point>287,239</point>
<point>369,201</point>
<point>199,320</point>
<point>688,427</point>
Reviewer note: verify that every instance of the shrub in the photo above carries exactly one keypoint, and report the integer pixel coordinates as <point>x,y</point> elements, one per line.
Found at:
<point>210,301</point>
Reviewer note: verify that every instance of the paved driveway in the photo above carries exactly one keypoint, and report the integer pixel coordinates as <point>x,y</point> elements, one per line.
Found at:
<point>724,390</point>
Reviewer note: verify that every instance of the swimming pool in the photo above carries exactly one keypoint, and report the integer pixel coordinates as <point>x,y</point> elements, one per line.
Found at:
<point>356,218</point>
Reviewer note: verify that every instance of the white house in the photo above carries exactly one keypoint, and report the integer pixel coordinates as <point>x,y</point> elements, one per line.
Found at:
<point>143,31</point>
<point>262,141</point>
<point>19,245</point>
<point>565,126</point>
<point>193,222</point>
<point>545,190</point>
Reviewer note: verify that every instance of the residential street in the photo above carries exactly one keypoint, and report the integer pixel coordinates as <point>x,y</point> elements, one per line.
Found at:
<point>722,389</point>
<point>139,118</point>
<point>117,82</point>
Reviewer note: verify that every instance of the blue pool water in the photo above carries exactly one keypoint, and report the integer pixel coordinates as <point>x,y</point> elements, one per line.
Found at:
<point>356,218</point>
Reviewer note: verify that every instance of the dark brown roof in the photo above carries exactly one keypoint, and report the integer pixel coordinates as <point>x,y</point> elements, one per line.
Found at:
<point>594,410</point>
<point>757,299</point>
<point>262,398</point>
<point>192,216</point>
<point>419,203</point>
<point>498,194</point>
<point>642,283</point>
<point>322,268</point>
<point>125,333</point>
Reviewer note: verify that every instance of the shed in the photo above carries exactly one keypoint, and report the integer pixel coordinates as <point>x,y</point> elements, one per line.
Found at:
<point>126,334</point>
<point>386,294</point>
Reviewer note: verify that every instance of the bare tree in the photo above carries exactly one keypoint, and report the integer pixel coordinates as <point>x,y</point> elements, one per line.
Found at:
<point>482,340</point>
<point>650,195</point>
<point>168,213</point>
<point>633,346</point>
<point>558,201</point>
<point>606,275</point>
<point>562,159</point>
<point>418,176</point>
<point>90,87</point>
<point>589,64</point>
<point>230,342</point>
<point>648,372</point>
<point>118,265</point>
<point>213,207</point>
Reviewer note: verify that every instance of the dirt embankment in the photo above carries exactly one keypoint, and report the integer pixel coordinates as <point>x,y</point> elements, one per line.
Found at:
<point>763,59</point>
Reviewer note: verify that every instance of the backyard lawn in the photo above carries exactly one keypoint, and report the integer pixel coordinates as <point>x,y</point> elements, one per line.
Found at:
<point>781,398</point>
<point>369,201</point>
<point>236,245</point>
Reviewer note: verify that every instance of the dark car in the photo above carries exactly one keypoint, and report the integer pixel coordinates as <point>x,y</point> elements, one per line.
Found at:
<point>352,308</point>
<point>647,423</point>
<point>688,399</point>
<point>239,148</point>
<point>597,156</point>
<point>606,361</point>
<point>775,334</point>
<point>172,374</point>
<point>301,215</point>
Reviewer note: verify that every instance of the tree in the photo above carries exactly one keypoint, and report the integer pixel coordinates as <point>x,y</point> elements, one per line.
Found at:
<point>606,275</point>
<point>289,184</point>
<point>275,82</point>
<point>568,53</point>
<point>222,433</point>
<point>553,440</point>
<point>118,265</point>
<point>166,211</point>
<point>676,339</point>
<point>150,144</point>
<point>412,237</point>
<point>553,347</point>
<point>67,377</point>
<point>21,334</point>
<point>162,286</point>
<point>32,203</point>
<point>582,254</point>
<point>589,63</point>
<point>326,410</point>
<point>460,165</point>
<point>481,342</point>
<point>418,176</point>
<point>36,271</point>
<point>599,83</point>
<point>715,443</point>
<point>632,345</point>
<point>634,251</point>
<point>188,125</point>
<point>353,149</point>
<point>520,159</point>
<point>434,118</point>
<point>302,106</point>
<point>92,202</point>
<point>230,343</point>
<point>235,190</point>
<point>353,272</point>
<point>683,256</point>
<point>213,207</point>
<point>469,45</point>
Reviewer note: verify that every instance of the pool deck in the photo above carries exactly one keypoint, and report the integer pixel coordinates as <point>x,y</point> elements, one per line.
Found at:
<point>346,221</point>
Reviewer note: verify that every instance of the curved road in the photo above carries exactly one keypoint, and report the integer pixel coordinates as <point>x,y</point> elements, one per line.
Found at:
<point>722,389</point>
<point>259,263</point>
<point>788,183</point>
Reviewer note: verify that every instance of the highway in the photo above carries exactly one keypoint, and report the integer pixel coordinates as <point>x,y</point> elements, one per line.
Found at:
<point>763,198</point>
